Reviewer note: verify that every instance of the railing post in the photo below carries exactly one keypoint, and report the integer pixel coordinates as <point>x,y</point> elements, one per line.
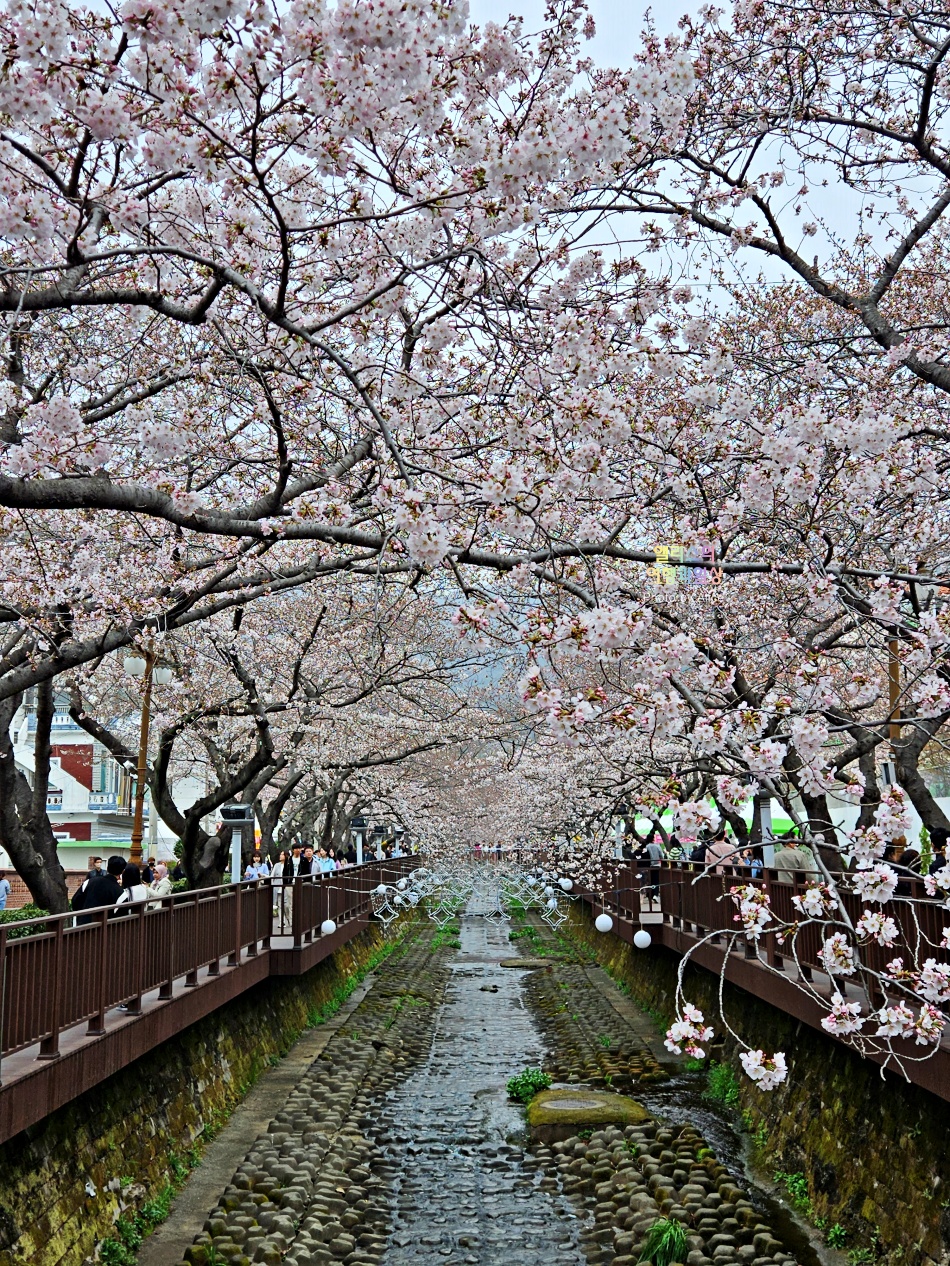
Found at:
<point>214,967</point>
<point>97,1022</point>
<point>234,957</point>
<point>313,903</point>
<point>3,985</point>
<point>168,984</point>
<point>191,980</point>
<point>296,914</point>
<point>268,887</point>
<point>134,1005</point>
<point>772,955</point>
<point>49,1046</point>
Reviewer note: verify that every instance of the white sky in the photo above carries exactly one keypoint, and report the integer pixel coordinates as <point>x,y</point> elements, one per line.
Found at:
<point>619,22</point>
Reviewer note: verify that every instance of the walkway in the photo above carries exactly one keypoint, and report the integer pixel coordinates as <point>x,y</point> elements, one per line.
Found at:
<point>393,1143</point>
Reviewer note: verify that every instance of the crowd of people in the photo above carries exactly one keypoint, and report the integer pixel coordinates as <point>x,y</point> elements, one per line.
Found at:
<point>791,858</point>
<point>118,882</point>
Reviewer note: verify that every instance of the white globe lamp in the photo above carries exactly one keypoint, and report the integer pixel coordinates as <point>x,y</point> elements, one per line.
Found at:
<point>642,939</point>
<point>603,923</point>
<point>327,927</point>
<point>565,884</point>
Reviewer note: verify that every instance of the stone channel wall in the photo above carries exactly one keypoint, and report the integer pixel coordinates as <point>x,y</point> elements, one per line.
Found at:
<point>64,1182</point>
<point>873,1150</point>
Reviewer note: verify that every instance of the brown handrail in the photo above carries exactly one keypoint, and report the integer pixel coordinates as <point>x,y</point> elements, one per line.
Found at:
<point>60,975</point>
<point>699,904</point>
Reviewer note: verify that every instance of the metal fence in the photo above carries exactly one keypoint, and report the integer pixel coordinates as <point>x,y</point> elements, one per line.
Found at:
<point>62,975</point>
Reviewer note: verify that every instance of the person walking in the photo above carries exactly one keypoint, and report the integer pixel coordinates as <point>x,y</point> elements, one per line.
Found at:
<point>282,879</point>
<point>148,871</point>
<point>938,840</point>
<point>722,852</point>
<point>654,857</point>
<point>102,890</point>
<point>324,864</point>
<point>793,860</point>
<point>79,896</point>
<point>306,865</point>
<point>257,867</point>
<point>5,889</point>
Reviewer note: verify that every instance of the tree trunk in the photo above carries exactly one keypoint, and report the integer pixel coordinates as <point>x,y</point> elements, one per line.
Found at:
<point>907,749</point>
<point>737,822</point>
<point>25,830</point>
<point>268,815</point>
<point>871,795</point>
<point>819,817</point>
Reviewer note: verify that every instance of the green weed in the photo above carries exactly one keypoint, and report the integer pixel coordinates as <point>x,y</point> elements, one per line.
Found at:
<point>666,1242</point>
<point>797,1187</point>
<point>527,1084</point>
<point>836,1236</point>
<point>722,1085</point>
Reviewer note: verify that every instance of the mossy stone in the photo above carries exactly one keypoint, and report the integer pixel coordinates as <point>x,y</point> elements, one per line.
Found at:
<point>560,1114</point>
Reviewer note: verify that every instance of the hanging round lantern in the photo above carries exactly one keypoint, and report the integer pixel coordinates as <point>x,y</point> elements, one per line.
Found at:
<point>381,890</point>
<point>565,884</point>
<point>327,927</point>
<point>642,939</point>
<point>603,923</point>
<point>134,665</point>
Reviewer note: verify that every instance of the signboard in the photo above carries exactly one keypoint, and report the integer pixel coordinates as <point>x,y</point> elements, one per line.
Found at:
<point>669,570</point>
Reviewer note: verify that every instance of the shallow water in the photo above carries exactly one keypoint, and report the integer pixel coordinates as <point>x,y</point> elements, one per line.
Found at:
<point>682,1101</point>
<point>461,1193</point>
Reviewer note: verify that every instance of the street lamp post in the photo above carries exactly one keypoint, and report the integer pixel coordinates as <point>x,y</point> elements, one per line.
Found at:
<point>145,666</point>
<point>357,827</point>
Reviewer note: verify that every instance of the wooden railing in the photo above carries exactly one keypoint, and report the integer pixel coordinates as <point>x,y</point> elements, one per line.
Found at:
<point>62,975</point>
<point>689,901</point>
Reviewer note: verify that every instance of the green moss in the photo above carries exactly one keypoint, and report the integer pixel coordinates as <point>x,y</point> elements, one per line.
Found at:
<point>573,1108</point>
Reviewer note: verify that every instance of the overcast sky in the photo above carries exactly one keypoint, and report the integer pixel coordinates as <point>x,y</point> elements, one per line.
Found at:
<point>618,22</point>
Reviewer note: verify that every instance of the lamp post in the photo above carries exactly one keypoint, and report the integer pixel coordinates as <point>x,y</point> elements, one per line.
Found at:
<point>357,827</point>
<point>144,666</point>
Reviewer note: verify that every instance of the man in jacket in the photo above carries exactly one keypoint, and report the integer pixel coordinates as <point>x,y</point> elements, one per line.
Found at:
<point>794,859</point>
<point>103,890</point>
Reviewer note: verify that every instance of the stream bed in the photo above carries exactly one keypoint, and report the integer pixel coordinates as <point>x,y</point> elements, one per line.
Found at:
<point>453,1142</point>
